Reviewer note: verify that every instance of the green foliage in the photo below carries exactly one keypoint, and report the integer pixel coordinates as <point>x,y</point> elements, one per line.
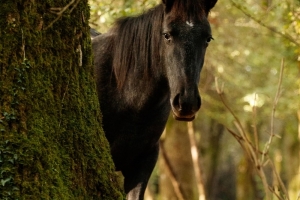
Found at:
<point>104,13</point>
<point>252,38</point>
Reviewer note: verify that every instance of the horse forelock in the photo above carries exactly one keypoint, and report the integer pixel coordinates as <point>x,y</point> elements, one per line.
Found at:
<point>188,10</point>
<point>137,45</point>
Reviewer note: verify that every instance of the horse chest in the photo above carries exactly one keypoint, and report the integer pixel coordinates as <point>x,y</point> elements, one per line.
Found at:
<point>132,128</point>
<point>135,121</point>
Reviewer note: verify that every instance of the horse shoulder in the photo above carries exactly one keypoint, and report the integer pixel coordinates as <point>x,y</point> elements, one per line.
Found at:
<point>102,46</point>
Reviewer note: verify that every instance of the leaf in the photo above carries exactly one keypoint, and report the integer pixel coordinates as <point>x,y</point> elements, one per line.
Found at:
<point>4,181</point>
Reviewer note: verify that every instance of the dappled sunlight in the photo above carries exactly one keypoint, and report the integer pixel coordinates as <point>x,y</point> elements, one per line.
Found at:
<point>253,100</point>
<point>248,139</point>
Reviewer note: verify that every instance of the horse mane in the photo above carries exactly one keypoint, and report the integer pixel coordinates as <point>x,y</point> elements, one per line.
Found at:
<point>137,45</point>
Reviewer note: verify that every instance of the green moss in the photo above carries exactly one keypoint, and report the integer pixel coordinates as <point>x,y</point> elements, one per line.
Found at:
<point>52,145</point>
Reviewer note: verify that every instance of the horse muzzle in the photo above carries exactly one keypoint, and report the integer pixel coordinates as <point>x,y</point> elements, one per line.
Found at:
<point>185,107</point>
<point>184,118</point>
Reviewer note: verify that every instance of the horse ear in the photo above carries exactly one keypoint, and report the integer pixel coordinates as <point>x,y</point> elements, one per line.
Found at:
<point>168,5</point>
<point>209,4</point>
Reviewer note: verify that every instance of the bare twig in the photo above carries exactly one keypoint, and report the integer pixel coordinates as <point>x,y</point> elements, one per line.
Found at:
<point>284,35</point>
<point>195,158</point>
<point>248,144</point>
<point>279,180</point>
<point>274,192</point>
<point>177,189</point>
<point>278,92</point>
<point>59,11</point>
<point>80,55</point>
<point>253,151</point>
<point>221,94</point>
<point>74,6</point>
<point>254,114</point>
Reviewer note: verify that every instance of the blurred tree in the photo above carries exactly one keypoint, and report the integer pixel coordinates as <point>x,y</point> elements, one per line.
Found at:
<point>52,145</point>
<point>176,147</point>
<point>251,39</point>
<point>104,13</point>
<point>246,56</point>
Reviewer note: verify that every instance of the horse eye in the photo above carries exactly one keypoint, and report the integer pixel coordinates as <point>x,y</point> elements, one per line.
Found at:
<point>209,39</point>
<point>167,36</point>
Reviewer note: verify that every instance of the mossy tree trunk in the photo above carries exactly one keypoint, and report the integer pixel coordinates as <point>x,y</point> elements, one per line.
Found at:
<point>52,145</point>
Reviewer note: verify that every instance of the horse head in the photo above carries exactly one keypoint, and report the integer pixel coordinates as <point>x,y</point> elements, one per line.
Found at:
<point>186,34</point>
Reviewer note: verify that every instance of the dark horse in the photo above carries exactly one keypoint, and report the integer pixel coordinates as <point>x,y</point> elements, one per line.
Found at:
<point>145,67</point>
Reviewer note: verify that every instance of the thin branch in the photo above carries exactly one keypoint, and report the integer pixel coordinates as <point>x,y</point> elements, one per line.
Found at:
<point>276,99</point>
<point>274,192</point>
<point>249,147</point>
<point>75,5</point>
<point>196,163</point>
<point>177,189</point>
<point>254,117</point>
<point>240,140</point>
<point>280,180</point>
<point>263,178</point>
<point>221,94</point>
<point>284,35</point>
<point>238,124</point>
<point>253,151</point>
<point>60,11</point>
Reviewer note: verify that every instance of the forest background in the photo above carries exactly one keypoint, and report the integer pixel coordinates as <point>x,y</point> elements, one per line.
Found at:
<point>247,132</point>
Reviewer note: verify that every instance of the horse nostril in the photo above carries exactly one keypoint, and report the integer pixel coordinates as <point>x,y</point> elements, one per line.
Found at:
<point>176,102</point>
<point>185,104</point>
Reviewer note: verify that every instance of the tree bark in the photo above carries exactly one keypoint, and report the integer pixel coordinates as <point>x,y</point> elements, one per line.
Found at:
<point>52,145</point>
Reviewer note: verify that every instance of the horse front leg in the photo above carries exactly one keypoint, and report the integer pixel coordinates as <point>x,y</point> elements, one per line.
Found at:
<point>137,175</point>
